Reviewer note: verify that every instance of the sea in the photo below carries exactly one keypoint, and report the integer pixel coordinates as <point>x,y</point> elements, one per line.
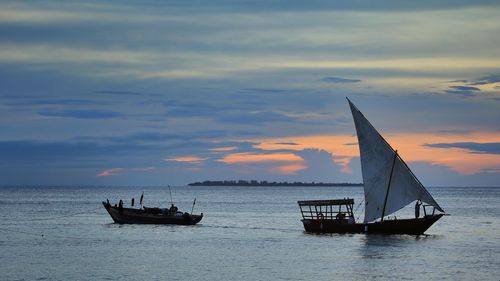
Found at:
<point>247,233</point>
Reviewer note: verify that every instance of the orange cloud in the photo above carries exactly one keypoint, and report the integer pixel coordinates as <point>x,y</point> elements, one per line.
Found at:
<point>293,163</point>
<point>110,172</point>
<point>187,159</point>
<point>343,147</point>
<point>255,158</point>
<point>222,149</point>
<point>118,171</point>
<point>291,169</point>
<point>411,146</point>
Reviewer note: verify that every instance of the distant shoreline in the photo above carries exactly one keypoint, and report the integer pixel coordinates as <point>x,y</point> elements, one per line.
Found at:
<point>266,183</point>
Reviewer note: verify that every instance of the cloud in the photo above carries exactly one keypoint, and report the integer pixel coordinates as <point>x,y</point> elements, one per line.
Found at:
<point>490,79</point>
<point>81,114</point>
<point>253,117</point>
<point>224,149</point>
<point>16,100</point>
<point>119,171</point>
<point>144,169</point>
<point>455,131</point>
<point>262,90</point>
<point>287,143</point>
<point>126,93</point>
<point>246,157</point>
<point>110,172</point>
<point>276,162</point>
<point>463,91</point>
<point>465,88</point>
<point>486,148</point>
<point>290,169</point>
<point>338,80</point>
<point>78,12</point>
<point>251,69</point>
<point>187,159</point>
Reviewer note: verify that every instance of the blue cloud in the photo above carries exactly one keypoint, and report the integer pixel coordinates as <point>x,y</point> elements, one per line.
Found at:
<point>493,78</point>
<point>457,131</point>
<point>465,88</point>
<point>81,114</point>
<point>463,91</point>
<point>484,80</point>
<point>486,148</point>
<point>35,101</point>
<point>127,93</point>
<point>254,118</point>
<point>166,138</point>
<point>263,90</point>
<point>339,80</point>
<point>287,143</point>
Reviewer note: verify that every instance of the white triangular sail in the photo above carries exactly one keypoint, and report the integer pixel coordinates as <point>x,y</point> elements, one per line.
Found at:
<point>377,160</point>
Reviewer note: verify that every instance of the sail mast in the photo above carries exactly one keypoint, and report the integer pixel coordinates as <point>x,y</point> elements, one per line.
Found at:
<point>389,185</point>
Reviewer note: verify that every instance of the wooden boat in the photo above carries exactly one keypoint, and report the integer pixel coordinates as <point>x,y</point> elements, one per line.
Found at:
<point>389,185</point>
<point>145,215</point>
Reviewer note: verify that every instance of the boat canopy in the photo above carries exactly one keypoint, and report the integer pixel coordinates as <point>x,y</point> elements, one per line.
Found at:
<point>327,209</point>
<point>389,184</point>
<point>333,202</point>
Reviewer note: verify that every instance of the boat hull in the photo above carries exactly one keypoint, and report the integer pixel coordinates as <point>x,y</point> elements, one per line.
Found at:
<point>139,216</point>
<point>415,226</point>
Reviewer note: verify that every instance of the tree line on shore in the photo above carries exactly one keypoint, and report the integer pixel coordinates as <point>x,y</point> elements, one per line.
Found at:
<point>268,183</point>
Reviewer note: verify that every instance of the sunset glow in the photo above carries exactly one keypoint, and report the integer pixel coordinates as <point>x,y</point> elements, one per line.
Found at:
<point>186,159</point>
<point>413,147</point>
<point>237,158</point>
<point>248,89</point>
<point>288,169</point>
<point>110,172</point>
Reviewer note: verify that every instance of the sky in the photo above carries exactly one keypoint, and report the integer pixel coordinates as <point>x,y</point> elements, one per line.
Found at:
<point>172,92</point>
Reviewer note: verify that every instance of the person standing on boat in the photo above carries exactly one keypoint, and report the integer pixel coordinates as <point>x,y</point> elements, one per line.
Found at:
<point>132,204</point>
<point>417,208</point>
<point>120,206</point>
<point>173,209</point>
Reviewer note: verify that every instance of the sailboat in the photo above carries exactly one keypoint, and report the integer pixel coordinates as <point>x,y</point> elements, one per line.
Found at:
<point>389,185</point>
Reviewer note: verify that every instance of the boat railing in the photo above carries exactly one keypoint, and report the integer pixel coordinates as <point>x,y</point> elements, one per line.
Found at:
<point>335,209</point>
<point>429,206</point>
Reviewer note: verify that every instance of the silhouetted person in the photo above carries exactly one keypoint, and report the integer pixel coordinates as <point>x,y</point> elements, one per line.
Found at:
<point>350,220</point>
<point>173,209</point>
<point>340,216</point>
<point>417,208</point>
<point>132,202</point>
<point>120,206</point>
<point>321,216</point>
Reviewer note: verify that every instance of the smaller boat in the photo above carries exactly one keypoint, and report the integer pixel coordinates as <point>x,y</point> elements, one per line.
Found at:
<point>145,215</point>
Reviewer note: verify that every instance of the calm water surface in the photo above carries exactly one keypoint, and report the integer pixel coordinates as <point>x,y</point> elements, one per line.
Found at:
<point>247,233</point>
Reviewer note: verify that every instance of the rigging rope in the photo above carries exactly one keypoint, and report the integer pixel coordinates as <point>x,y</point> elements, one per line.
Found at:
<point>52,218</point>
<point>47,235</point>
<point>64,216</point>
<point>359,205</point>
